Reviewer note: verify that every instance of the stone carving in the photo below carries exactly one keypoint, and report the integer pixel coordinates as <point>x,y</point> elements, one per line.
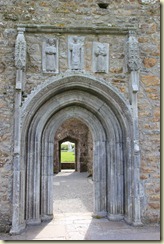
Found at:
<point>76,53</point>
<point>133,60</point>
<point>50,56</point>
<point>100,57</point>
<point>20,50</point>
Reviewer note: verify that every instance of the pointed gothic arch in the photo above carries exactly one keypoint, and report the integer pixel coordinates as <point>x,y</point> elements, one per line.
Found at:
<point>108,116</point>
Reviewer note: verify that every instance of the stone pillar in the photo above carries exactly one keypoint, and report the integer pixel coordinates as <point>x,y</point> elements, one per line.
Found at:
<point>18,222</point>
<point>99,179</point>
<point>47,180</point>
<point>133,64</point>
<point>115,180</point>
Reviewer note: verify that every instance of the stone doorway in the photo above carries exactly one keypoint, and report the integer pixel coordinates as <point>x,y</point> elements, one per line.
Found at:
<point>77,132</point>
<point>67,155</point>
<point>115,160</point>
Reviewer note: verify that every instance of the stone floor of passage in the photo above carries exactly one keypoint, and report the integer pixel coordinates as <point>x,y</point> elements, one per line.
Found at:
<point>73,205</point>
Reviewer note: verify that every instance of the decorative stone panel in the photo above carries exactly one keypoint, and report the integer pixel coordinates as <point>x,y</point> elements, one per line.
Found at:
<point>133,60</point>
<point>100,57</point>
<point>50,56</point>
<point>76,53</point>
<point>20,50</point>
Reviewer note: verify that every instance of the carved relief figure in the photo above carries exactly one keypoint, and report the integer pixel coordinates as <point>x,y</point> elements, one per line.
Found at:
<point>76,53</point>
<point>50,56</point>
<point>100,57</point>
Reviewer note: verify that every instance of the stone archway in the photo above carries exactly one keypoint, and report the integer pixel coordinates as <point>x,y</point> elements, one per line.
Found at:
<point>109,118</point>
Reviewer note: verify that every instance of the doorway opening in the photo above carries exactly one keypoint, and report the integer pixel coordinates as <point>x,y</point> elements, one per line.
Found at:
<point>73,147</point>
<point>67,155</point>
<point>73,160</point>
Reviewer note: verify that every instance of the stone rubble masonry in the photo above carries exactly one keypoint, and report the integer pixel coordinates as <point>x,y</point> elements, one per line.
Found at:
<point>145,16</point>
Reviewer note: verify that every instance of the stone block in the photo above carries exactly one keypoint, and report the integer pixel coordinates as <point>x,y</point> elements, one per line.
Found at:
<point>154,96</point>
<point>155,197</point>
<point>152,89</point>
<point>157,189</point>
<point>149,62</point>
<point>144,177</point>
<point>116,70</point>
<point>143,39</point>
<point>147,170</point>
<point>150,80</point>
<point>154,205</point>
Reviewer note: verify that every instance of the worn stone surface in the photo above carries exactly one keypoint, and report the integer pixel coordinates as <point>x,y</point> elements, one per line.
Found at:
<point>145,16</point>
<point>77,223</point>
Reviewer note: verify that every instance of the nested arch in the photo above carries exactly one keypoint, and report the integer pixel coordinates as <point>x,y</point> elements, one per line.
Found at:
<point>98,141</point>
<point>109,119</point>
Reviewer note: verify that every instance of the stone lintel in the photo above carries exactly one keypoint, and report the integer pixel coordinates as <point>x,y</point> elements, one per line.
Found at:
<point>77,30</point>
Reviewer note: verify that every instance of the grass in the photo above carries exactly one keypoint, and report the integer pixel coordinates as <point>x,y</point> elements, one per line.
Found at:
<point>67,157</point>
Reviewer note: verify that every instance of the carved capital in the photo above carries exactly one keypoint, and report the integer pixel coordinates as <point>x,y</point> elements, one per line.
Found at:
<point>133,60</point>
<point>20,50</point>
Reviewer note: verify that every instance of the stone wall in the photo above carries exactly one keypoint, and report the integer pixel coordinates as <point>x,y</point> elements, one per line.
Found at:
<point>142,14</point>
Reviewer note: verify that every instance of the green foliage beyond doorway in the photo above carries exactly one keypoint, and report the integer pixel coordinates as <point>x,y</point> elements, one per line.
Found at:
<point>67,157</point>
<point>67,152</point>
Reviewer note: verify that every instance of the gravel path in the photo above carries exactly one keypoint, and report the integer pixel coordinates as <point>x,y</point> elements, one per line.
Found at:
<point>73,192</point>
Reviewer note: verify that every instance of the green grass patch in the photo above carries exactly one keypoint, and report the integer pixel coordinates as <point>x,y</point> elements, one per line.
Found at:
<point>67,157</point>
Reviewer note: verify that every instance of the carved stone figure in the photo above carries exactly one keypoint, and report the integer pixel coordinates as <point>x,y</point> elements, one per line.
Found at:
<point>76,53</point>
<point>133,60</point>
<point>20,50</point>
<point>50,56</point>
<point>100,57</point>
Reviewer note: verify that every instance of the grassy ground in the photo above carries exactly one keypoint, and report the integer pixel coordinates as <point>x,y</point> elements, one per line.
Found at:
<point>67,157</point>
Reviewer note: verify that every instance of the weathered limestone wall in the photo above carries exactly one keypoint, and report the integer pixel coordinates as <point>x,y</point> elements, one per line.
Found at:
<point>145,16</point>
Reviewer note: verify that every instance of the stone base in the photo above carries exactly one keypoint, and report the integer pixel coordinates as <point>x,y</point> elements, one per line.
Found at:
<point>133,223</point>
<point>47,217</point>
<point>127,220</point>
<point>16,230</point>
<point>137,224</point>
<point>98,215</point>
<point>115,217</point>
<point>33,221</point>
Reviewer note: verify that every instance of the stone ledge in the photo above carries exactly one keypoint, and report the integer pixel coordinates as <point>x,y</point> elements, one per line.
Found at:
<point>74,30</point>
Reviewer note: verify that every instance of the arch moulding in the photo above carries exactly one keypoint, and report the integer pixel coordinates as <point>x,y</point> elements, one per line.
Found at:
<point>115,158</point>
